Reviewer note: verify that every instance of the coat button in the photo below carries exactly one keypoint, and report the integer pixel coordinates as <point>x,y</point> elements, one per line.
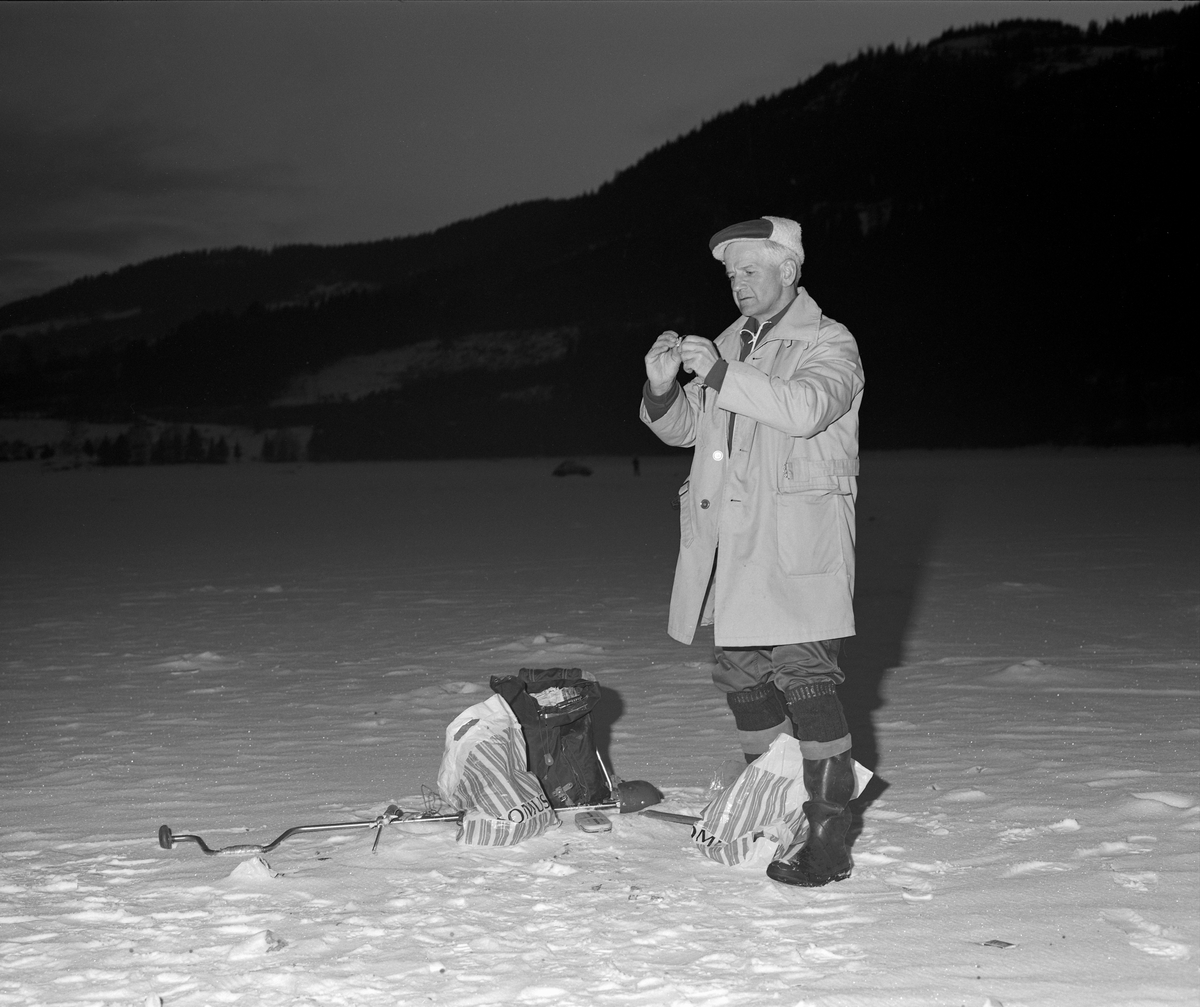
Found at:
<point>704,504</point>
<point>718,455</point>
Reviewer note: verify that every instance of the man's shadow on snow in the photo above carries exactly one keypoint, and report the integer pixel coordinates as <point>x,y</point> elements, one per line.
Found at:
<point>605,713</point>
<point>899,511</point>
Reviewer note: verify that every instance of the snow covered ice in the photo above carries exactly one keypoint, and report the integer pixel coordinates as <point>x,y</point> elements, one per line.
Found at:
<point>236,650</point>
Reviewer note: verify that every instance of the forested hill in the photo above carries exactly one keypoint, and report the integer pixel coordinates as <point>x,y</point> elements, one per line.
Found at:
<point>1002,217</point>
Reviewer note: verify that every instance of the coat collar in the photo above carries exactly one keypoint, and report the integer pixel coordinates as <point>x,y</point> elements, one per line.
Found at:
<point>802,321</point>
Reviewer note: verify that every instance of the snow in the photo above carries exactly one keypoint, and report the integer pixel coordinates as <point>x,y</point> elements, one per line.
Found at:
<point>233,650</point>
<point>355,377</point>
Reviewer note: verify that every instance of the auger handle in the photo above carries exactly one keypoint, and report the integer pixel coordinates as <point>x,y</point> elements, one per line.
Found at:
<point>168,840</point>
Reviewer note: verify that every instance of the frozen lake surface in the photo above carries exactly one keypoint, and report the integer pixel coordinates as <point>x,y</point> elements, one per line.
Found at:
<point>235,650</point>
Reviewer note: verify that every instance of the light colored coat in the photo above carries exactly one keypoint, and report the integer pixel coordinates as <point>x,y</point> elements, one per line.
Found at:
<point>781,502</point>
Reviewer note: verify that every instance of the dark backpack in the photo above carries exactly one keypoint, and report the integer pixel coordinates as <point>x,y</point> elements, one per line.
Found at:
<point>554,707</point>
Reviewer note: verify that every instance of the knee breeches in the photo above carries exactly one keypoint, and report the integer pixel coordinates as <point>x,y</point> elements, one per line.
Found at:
<point>787,689</point>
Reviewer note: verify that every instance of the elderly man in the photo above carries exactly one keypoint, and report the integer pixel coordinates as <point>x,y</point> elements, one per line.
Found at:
<point>767,516</point>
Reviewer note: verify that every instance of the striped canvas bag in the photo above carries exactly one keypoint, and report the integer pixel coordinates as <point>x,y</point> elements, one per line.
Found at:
<point>759,816</point>
<point>484,773</point>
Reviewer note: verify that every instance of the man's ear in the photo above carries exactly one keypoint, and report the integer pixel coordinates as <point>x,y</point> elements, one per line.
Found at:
<point>789,272</point>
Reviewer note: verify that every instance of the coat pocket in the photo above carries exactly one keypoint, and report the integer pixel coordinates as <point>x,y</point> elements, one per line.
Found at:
<point>809,530</point>
<point>800,474</point>
<point>687,534</point>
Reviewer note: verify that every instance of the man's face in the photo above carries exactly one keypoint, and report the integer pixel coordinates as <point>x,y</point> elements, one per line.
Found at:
<point>760,288</point>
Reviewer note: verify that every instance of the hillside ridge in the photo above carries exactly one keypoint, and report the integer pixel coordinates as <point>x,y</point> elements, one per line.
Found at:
<point>1000,186</point>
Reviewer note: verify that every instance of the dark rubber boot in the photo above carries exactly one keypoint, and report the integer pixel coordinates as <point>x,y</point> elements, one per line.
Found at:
<point>824,856</point>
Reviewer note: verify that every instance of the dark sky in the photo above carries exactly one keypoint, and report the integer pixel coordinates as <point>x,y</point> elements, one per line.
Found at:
<point>133,130</point>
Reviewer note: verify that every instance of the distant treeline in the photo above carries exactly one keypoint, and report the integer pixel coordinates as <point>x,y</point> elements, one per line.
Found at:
<point>172,446</point>
<point>21,451</point>
<point>1001,217</point>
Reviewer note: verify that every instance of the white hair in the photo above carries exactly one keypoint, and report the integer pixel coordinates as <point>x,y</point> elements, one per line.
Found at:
<point>773,252</point>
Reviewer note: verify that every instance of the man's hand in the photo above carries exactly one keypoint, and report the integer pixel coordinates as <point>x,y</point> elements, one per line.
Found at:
<point>698,354</point>
<point>662,362</point>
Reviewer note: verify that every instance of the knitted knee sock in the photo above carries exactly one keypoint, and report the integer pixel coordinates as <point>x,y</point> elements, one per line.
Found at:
<point>760,716</point>
<point>819,719</point>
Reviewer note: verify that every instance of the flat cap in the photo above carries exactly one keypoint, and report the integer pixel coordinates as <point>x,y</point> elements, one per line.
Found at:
<point>780,230</point>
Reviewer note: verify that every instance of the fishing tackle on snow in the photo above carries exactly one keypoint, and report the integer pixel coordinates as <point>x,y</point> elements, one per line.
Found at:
<point>633,796</point>
<point>168,839</point>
